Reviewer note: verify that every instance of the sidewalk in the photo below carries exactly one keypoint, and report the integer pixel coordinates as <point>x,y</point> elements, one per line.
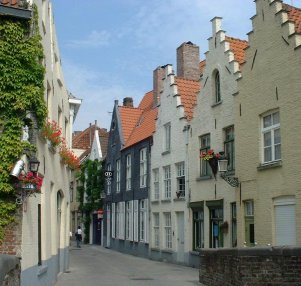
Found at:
<point>97,266</point>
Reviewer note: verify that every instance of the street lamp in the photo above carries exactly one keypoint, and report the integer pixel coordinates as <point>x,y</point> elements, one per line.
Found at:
<point>34,164</point>
<point>223,169</point>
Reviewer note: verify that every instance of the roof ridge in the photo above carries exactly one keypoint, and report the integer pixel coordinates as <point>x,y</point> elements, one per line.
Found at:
<point>236,39</point>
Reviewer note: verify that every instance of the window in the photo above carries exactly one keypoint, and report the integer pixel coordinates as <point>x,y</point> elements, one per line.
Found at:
<point>118,176</point>
<point>143,167</point>
<point>117,220</point>
<point>136,220</point>
<point>113,220</point>
<point>233,225</point>
<point>129,220</point>
<point>167,182</point>
<point>217,87</point>
<point>216,219</point>
<point>249,223</point>
<point>156,227</point>
<point>120,220</point>
<point>198,229</point>
<point>167,231</point>
<point>108,180</point>
<point>128,172</point>
<point>156,184</point>
<point>229,147</point>
<point>143,220</point>
<point>167,137</point>
<point>181,179</point>
<point>271,137</point>
<point>204,147</point>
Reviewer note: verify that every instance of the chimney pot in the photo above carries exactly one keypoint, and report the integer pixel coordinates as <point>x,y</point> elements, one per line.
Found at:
<point>128,101</point>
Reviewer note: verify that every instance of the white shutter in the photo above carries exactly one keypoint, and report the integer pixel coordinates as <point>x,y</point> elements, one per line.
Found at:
<point>136,220</point>
<point>122,221</point>
<point>113,220</point>
<point>146,220</point>
<point>131,221</point>
<point>285,224</point>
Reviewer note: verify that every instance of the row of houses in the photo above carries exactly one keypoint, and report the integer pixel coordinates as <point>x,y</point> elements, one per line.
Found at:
<point>166,199</point>
<point>39,235</point>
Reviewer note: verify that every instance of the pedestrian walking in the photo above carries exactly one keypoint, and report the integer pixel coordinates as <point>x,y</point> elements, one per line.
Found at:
<point>78,236</point>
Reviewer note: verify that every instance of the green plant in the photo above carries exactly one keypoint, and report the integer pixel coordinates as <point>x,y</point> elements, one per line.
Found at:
<point>92,185</point>
<point>22,90</point>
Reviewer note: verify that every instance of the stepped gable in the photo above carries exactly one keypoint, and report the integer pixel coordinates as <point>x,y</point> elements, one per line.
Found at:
<point>202,66</point>
<point>188,90</point>
<point>104,141</point>
<point>128,117</point>
<point>238,48</point>
<point>145,125</point>
<point>294,14</point>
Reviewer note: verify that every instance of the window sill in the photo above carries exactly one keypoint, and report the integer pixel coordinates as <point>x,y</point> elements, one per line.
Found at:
<point>217,103</point>
<point>42,269</point>
<point>166,201</point>
<point>270,165</point>
<point>165,152</point>
<point>167,251</point>
<point>179,199</point>
<point>203,178</point>
<point>155,202</point>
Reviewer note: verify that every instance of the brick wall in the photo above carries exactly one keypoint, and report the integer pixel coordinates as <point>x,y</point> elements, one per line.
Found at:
<point>11,243</point>
<point>251,266</point>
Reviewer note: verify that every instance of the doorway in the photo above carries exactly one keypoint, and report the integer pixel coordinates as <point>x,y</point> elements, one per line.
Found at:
<point>180,236</point>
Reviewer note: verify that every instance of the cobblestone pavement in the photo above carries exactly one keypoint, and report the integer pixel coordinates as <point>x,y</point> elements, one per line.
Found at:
<point>94,265</point>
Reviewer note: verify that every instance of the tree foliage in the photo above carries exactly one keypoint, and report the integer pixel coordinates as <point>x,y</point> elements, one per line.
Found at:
<point>21,91</point>
<point>89,192</point>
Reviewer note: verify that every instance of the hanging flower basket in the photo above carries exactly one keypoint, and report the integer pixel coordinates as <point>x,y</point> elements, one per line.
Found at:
<point>212,159</point>
<point>68,157</point>
<point>30,182</point>
<point>52,132</point>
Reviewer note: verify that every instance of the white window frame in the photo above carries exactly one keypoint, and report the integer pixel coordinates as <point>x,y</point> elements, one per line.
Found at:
<point>143,220</point>
<point>167,231</point>
<point>118,176</point>
<point>117,231</point>
<point>180,177</point>
<point>156,230</point>
<point>136,225</point>
<point>113,221</point>
<point>271,129</point>
<point>109,183</point>
<point>143,167</point>
<point>129,220</point>
<point>167,137</point>
<point>167,182</point>
<point>156,184</point>
<point>249,208</point>
<point>128,172</point>
<point>121,220</point>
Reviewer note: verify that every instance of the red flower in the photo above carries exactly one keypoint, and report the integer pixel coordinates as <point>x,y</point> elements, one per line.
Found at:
<point>52,132</point>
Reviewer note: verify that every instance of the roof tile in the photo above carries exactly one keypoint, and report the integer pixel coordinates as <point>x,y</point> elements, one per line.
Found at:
<point>188,90</point>
<point>294,14</point>
<point>238,47</point>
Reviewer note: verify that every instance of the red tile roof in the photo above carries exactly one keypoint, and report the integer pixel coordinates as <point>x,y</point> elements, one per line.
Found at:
<point>9,3</point>
<point>238,47</point>
<point>294,14</point>
<point>188,90</point>
<point>84,139</point>
<point>129,117</point>
<point>147,101</point>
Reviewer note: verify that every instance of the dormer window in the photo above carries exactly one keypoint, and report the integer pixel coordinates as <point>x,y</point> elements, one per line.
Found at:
<point>217,87</point>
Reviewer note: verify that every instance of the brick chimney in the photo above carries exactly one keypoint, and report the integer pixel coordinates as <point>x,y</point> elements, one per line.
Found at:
<point>188,59</point>
<point>128,101</point>
<point>158,75</point>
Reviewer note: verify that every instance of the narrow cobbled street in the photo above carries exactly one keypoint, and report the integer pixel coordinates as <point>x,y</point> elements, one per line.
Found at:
<point>98,266</point>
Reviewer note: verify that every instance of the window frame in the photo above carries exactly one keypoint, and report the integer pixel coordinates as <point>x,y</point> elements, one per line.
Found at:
<point>128,172</point>
<point>271,130</point>
<point>198,229</point>
<point>167,137</point>
<point>181,183</point>
<point>143,167</point>
<point>204,141</point>
<point>229,145</point>
<point>167,182</point>
<point>156,228</point>
<point>217,87</point>
<point>118,176</point>
<point>156,184</point>
<point>167,231</point>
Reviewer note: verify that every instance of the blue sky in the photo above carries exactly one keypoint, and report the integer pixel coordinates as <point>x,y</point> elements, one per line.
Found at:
<point>109,48</point>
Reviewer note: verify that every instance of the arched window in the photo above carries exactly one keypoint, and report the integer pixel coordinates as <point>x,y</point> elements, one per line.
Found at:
<point>217,86</point>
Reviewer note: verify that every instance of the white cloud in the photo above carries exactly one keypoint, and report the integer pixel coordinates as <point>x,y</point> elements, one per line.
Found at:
<point>93,40</point>
<point>98,93</point>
